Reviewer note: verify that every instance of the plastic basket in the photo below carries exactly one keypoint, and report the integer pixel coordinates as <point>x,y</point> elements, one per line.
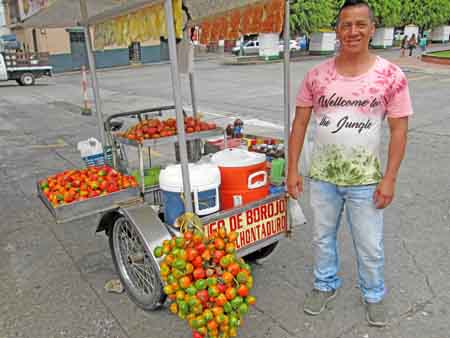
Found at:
<point>94,160</point>
<point>151,177</point>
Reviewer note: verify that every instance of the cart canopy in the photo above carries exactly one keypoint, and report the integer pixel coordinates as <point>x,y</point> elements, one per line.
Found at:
<point>66,13</point>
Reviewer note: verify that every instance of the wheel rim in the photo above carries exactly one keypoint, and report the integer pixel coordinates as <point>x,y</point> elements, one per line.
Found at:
<point>134,264</point>
<point>27,80</point>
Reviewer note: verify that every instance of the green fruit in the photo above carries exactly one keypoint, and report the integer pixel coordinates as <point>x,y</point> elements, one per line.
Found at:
<point>212,281</point>
<point>194,324</point>
<point>243,309</point>
<point>171,279</point>
<point>44,184</point>
<point>179,242</point>
<point>201,284</point>
<point>234,321</point>
<point>158,252</point>
<point>213,292</point>
<point>236,302</point>
<point>191,290</point>
<point>177,273</point>
<point>193,302</point>
<point>183,306</point>
<point>208,315</point>
<point>241,277</point>
<point>201,321</point>
<point>179,264</point>
<point>225,261</point>
<point>227,307</point>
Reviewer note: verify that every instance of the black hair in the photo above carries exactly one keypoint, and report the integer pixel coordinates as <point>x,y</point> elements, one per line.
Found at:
<point>354,3</point>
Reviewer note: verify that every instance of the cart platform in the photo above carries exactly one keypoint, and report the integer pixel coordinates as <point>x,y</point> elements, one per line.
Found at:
<point>77,210</point>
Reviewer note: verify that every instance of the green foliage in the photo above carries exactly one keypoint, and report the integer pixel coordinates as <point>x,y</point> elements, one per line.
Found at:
<point>425,14</point>
<point>387,13</point>
<point>308,16</point>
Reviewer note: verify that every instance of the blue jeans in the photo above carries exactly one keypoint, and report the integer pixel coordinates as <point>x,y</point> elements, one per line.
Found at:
<point>366,227</point>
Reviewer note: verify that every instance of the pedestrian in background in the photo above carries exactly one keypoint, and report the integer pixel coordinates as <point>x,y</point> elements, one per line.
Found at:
<point>403,45</point>
<point>349,96</point>
<point>412,44</point>
<point>423,43</point>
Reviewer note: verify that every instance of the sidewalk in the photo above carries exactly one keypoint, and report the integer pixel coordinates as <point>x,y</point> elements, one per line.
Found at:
<point>415,64</point>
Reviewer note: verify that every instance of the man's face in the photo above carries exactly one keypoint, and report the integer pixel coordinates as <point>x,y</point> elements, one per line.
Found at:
<point>355,29</point>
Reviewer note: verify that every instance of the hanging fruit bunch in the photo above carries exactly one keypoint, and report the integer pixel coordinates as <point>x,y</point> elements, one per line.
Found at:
<point>208,285</point>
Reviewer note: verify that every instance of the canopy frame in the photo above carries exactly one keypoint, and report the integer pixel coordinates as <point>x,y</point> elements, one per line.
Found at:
<point>86,22</point>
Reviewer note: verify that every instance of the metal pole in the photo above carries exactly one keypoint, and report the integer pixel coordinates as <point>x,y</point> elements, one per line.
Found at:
<point>176,84</point>
<point>193,98</point>
<point>93,71</point>
<point>287,82</point>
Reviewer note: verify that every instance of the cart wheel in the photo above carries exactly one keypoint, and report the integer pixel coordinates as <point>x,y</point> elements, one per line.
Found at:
<point>259,255</point>
<point>27,79</point>
<point>137,269</point>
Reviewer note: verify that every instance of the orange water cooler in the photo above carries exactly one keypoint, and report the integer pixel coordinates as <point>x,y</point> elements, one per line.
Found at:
<point>244,177</point>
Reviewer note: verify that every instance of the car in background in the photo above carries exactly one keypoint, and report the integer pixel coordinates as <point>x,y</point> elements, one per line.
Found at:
<point>293,45</point>
<point>250,48</point>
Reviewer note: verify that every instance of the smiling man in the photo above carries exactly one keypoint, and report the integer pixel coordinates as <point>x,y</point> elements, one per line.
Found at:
<point>350,96</point>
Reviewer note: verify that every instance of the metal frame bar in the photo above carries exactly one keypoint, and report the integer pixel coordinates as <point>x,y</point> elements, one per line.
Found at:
<point>93,71</point>
<point>193,98</point>
<point>176,83</point>
<point>287,82</point>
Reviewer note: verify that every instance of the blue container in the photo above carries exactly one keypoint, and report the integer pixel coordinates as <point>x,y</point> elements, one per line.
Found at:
<point>205,181</point>
<point>173,206</point>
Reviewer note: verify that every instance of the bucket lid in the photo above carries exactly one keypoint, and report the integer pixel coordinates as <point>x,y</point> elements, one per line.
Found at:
<point>201,176</point>
<point>235,157</point>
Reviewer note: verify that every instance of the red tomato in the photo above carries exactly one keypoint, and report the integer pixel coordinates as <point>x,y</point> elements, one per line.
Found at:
<point>199,273</point>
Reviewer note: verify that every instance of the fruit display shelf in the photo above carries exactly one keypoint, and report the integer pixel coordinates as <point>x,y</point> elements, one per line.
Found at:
<point>91,206</point>
<point>170,139</point>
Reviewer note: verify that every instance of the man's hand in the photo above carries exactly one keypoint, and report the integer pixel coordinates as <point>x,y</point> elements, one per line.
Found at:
<point>295,185</point>
<point>384,194</point>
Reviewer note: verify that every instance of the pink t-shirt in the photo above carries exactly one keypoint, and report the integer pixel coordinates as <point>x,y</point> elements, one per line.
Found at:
<point>349,112</point>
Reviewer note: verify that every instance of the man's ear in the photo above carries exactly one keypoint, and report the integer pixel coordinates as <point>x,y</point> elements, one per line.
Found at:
<point>372,30</point>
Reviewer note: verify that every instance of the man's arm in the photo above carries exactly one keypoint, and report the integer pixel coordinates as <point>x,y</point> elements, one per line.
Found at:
<point>296,139</point>
<point>397,146</point>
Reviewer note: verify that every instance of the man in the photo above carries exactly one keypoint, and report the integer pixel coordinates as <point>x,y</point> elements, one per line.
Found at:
<point>349,96</point>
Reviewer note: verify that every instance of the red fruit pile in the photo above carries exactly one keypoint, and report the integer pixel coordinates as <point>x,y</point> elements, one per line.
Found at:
<point>206,282</point>
<point>77,185</point>
<point>155,128</point>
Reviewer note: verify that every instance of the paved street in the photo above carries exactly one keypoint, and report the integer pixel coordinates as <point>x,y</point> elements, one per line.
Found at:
<point>52,275</point>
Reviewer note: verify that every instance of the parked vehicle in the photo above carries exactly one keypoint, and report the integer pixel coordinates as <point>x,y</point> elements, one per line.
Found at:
<point>24,67</point>
<point>250,48</point>
<point>293,45</point>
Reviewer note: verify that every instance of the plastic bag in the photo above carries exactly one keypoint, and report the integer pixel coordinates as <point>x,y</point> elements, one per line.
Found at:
<point>296,215</point>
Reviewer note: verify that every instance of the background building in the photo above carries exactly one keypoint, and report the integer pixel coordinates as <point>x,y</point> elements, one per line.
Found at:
<point>66,46</point>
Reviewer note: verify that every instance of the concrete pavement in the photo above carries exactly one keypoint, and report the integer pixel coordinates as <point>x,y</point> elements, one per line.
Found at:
<point>52,275</point>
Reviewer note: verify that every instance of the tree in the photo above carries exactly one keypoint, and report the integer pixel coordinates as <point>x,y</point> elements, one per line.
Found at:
<point>425,14</point>
<point>387,13</point>
<point>309,16</point>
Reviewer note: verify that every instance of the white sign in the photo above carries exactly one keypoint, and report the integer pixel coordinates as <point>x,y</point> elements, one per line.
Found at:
<point>268,44</point>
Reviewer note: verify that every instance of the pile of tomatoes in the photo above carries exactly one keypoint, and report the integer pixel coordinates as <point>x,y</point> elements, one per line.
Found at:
<point>78,185</point>
<point>206,282</point>
<point>155,128</point>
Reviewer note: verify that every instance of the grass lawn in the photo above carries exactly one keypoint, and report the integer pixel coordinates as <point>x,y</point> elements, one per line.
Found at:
<point>442,54</point>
